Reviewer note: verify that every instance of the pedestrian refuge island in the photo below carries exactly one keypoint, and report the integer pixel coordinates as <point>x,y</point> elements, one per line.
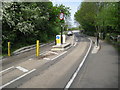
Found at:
<point>60,46</point>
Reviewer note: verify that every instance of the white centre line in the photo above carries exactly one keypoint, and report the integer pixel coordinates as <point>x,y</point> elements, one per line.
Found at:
<point>7,69</point>
<point>79,67</point>
<point>17,79</point>
<point>22,69</point>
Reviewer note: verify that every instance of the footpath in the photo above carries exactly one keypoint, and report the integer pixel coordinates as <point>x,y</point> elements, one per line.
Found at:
<point>100,70</point>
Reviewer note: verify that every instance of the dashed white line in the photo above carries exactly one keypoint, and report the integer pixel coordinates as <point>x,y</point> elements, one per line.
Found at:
<point>7,69</point>
<point>22,69</point>
<point>81,64</point>
<point>17,79</point>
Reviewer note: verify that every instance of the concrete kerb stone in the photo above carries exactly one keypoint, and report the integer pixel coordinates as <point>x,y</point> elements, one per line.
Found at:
<point>65,46</point>
<point>23,49</point>
<point>94,41</point>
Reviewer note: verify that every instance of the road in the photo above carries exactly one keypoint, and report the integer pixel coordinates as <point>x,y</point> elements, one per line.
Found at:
<point>55,69</point>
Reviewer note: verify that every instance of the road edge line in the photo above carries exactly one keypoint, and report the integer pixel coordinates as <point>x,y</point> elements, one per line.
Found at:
<point>79,67</point>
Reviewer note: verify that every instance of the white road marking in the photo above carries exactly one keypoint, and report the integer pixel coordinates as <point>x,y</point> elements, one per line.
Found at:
<point>17,79</point>
<point>53,52</point>
<point>46,58</point>
<point>22,69</point>
<point>95,49</point>
<point>81,64</point>
<point>31,59</point>
<point>59,55</point>
<point>75,44</point>
<point>7,69</point>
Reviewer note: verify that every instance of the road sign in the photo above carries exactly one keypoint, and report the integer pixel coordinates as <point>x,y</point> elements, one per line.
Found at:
<point>61,16</point>
<point>58,39</point>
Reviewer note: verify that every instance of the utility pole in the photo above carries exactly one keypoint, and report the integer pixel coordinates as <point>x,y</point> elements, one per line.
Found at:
<point>61,17</point>
<point>61,34</point>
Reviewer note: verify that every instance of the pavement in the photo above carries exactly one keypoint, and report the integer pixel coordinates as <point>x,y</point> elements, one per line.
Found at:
<point>100,69</point>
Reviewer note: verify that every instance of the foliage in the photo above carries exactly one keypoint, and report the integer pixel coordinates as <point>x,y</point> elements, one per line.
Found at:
<point>97,17</point>
<point>25,22</point>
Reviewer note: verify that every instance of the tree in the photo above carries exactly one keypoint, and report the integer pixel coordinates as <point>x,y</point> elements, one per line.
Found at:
<point>25,22</point>
<point>86,16</point>
<point>98,17</point>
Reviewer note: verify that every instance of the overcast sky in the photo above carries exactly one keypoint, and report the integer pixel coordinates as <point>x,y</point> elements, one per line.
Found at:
<point>73,6</point>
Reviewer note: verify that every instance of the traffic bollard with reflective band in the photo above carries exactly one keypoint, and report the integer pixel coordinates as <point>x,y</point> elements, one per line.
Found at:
<point>8,48</point>
<point>37,48</point>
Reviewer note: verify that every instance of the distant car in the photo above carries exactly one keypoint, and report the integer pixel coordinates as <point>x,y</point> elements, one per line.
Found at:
<point>69,33</point>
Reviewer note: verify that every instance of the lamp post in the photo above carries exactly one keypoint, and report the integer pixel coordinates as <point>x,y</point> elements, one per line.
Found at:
<point>61,17</point>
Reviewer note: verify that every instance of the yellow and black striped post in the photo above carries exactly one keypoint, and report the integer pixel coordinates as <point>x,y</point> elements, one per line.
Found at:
<point>37,48</point>
<point>8,48</point>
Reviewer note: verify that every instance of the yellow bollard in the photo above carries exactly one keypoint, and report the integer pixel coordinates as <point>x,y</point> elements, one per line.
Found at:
<point>8,48</point>
<point>37,48</point>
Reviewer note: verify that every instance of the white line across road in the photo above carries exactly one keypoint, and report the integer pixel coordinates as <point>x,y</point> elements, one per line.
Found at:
<point>79,67</point>
<point>22,69</point>
<point>17,79</point>
<point>59,55</point>
<point>7,69</point>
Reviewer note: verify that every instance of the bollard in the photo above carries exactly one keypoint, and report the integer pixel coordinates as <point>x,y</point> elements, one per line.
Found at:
<point>8,48</point>
<point>37,48</point>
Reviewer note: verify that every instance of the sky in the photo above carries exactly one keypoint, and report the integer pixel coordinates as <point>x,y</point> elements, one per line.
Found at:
<point>73,6</point>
